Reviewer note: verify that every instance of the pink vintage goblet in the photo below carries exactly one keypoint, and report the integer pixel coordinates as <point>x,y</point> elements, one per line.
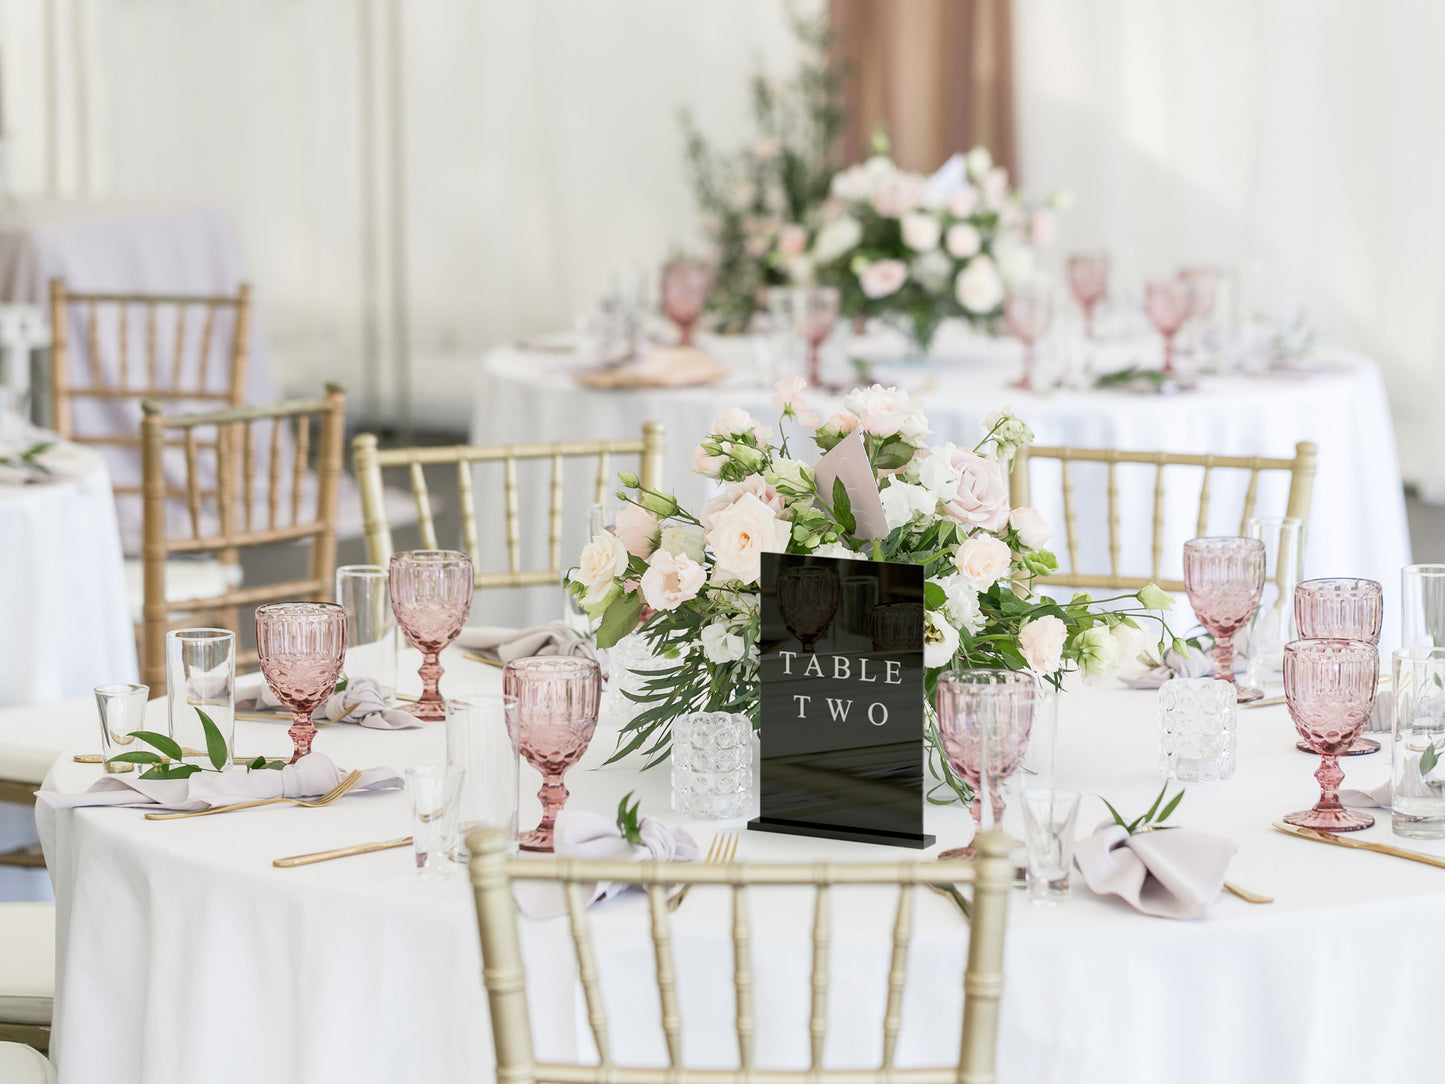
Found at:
<point>1026,310</point>
<point>1329,686</point>
<point>431,595</point>
<point>1089,279</point>
<point>1224,578</point>
<point>1341,609</point>
<point>556,713</point>
<point>816,310</point>
<point>984,719</point>
<point>685,286</point>
<point>301,647</point>
<point>808,601</point>
<point>1167,301</point>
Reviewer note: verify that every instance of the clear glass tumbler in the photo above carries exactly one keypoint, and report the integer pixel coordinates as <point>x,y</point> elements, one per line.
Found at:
<point>482,742</point>
<point>712,765</point>
<point>1417,781</point>
<point>122,711</point>
<point>1422,606</point>
<point>1273,624</point>
<point>201,677</point>
<point>363,591</point>
<point>1197,730</point>
<point>435,803</point>
<point>1049,819</point>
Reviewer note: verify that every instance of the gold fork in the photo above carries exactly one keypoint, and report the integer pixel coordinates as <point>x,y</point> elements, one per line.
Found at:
<point>724,849</point>
<point>330,796</point>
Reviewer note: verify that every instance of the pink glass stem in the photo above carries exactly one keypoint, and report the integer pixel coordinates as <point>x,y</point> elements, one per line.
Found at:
<point>815,378</point>
<point>553,796</point>
<point>1089,320</point>
<point>302,731</point>
<point>430,706</point>
<point>684,334</point>
<point>1330,777</point>
<point>1223,653</point>
<point>1026,382</point>
<point>1168,354</point>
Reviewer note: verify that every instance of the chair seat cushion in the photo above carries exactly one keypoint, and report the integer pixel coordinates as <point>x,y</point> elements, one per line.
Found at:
<point>20,1064</point>
<point>32,736</point>
<point>27,963</point>
<point>186,579</point>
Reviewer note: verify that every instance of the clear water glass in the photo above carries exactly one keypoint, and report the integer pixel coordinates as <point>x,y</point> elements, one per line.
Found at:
<point>435,793</point>
<point>363,591</point>
<point>122,711</point>
<point>712,765</point>
<point>1422,606</point>
<point>1417,780</point>
<point>1197,730</point>
<point>201,676</point>
<point>1273,624</point>
<point>1049,820</point>
<point>482,742</point>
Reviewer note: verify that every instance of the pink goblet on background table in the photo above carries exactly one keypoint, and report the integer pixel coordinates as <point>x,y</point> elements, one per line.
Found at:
<point>808,601</point>
<point>1089,279</point>
<point>815,308</point>
<point>1167,301</point>
<point>685,286</point>
<point>301,647</point>
<point>1026,310</point>
<point>1224,578</point>
<point>1341,609</point>
<point>1329,686</point>
<point>984,719</point>
<point>556,712</point>
<point>431,595</point>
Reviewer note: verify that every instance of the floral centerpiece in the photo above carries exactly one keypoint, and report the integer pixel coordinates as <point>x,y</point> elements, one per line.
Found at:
<point>914,249</point>
<point>946,508</point>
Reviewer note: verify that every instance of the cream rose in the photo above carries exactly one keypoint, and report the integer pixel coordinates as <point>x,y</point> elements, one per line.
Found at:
<point>741,533</point>
<point>1032,528</point>
<point>637,529</point>
<point>671,580</point>
<point>792,240</point>
<point>979,288</point>
<point>881,411</point>
<point>920,231</point>
<point>1042,643</point>
<point>982,561</point>
<point>754,484</point>
<point>962,241</point>
<point>882,277</point>
<point>602,561</point>
<point>981,499</point>
<point>836,239</point>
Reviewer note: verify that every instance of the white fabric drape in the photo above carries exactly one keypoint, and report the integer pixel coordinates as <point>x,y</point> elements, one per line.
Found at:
<point>1300,140</point>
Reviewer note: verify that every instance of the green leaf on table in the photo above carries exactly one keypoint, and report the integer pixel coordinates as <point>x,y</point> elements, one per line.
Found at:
<point>216,749</point>
<point>1168,809</point>
<point>341,683</point>
<point>1428,759</point>
<point>166,744</point>
<point>1115,813</point>
<point>620,619</point>
<point>628,821</point>
<point>843,507</point>
<point>172,771</point>
<point>1149,816</point>
<point>136,756</point>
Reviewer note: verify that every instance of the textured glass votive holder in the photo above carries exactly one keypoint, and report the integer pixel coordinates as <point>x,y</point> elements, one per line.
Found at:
<point>1196,730</point>
<point>712,765</point>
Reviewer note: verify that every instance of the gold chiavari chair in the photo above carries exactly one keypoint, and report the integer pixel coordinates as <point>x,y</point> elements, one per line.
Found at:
<point>27,974</point>
<point>369,461</point>
<point>1301,470</point>
<point>245,518</point>
<point>503,972</point>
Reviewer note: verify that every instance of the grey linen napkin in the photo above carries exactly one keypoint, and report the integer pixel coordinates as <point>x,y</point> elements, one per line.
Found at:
<point>1168,873</point>
<point>360,702</point>
<point>312,775</point>
<point>504,644</point>
<point>1196,664</point>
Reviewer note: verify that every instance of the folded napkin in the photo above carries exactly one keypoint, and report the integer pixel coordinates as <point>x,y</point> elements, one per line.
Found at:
<point>1169,873</point>
<point>1382,715</point>
<point>1373,798</point>
<point>360,702</point>
<point>504,645</point>
<point>665,367</point>
<point>1196,664</point>
<point>584,834</point>
<point>58,463</point>
<point>312,775</point>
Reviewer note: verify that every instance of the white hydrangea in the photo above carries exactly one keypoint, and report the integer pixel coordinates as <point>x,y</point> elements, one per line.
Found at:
<point>903,501</point>
<point>961,605</point>
<point>837,549</point>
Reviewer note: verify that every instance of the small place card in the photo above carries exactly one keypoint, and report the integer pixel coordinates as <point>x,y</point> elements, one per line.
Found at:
<point>842,699</point>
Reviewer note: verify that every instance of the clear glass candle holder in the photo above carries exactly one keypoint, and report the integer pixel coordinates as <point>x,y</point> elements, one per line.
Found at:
<point>1197,730</point>
<point>122,710</point>
<point>363,591</point>
<point>712,765</point>
<point>201,676</point>
<point>482,742</point>
<point>1049,820</point>
<point>435,804</point>
<point>1417,778</point>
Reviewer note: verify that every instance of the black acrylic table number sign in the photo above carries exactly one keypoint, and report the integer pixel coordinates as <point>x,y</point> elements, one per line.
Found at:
<point>842,699</point>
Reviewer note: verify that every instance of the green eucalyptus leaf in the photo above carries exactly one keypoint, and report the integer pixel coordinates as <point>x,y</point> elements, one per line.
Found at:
<point>167,745</point>
<point>1428,759</point>
<point>216,749</point>
<point>137,756</point>
<point>1149,816</point>
<point>1168,809</point>
<point>620,619</point>
<point>1115,814</point>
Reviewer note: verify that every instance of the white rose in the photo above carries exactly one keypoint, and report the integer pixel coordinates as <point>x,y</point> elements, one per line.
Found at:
<point>899,193</point>
<point>882,278</point>
<point>920,231</point>
<point>671,580</point>
<point>1016,261</point>
<point>983,561</point>
<point>978,161</point>
<point>755,484</point>
<point>932,270</point>
<point>1042,643</point>
<point>962,241</point>
<point>978,286</point>
<point>1031,526</point>
<point>903,501</point>
<point>937,475</point>
<point>602,561</point>
<point>961,604</point>
<point>963,202</point>
<point>914,429</point>
<point>940,641</point>
<point>837,239</point>
<point>741,533</point>
<point>837,549</point>
<point>851,184</point>
<point>881,411</point>
<point>721,646</point>
<point>684,540</point>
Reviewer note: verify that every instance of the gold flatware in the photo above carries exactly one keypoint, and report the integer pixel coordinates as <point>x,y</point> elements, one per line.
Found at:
<point>1267,702</point>
<point>407,697</point>
<point>1360,844</point>
<point>1246,895</point>
<point>96,758</point>
<point>340,852</point>
<point>263,715</point>
<point>724,849</point>
<point>330,796</point>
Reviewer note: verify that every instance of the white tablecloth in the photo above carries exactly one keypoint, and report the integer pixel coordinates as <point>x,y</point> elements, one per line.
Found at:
<point>184,955</point>
<point>1357,523</point>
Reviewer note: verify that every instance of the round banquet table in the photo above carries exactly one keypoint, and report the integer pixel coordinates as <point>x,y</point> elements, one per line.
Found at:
<point>67,622</point>
<point>184,955</point>
<point>1357,525</point>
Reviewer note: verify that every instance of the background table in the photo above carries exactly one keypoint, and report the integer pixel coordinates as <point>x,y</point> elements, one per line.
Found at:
<point>1357,525</point>
<point>183,954</point>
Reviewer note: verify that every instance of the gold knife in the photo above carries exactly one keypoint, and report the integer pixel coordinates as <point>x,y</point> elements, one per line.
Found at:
<point>1359,844</point>
<point>340,852</point>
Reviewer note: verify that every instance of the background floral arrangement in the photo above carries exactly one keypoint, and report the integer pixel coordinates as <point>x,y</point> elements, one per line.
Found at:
<point>947,508</point>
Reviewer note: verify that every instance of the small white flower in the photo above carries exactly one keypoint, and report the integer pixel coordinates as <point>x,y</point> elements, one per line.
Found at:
<point>920,231</point>
<point>902,502</point>
<point>937,475</point>
<point>837,549</point>
<point>961,605</point>
<point>837,239</point>
<point>940,641</point>
<point>978,287</point>
<point>962,241</point>
<point>978,161</point>
<point>720,645</point>
<point>914,429</point>
<point>684,540</point>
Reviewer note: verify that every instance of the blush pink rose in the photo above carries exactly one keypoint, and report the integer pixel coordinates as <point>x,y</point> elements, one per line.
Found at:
<point>792,240</point>
<point>788,397</point>
<point>709,466</point>
<point>963,202</point>
<point>882,277</point>
<point>881,411</point>
<point>898,194</point>
<point>1043,228</point>
<point>670,580</point>
<point>1042,643</point>
<point>981,499</point>
<point>637,529</point>
<point>737,422</point>
<point>983,561</point>
<point>753,484</point>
